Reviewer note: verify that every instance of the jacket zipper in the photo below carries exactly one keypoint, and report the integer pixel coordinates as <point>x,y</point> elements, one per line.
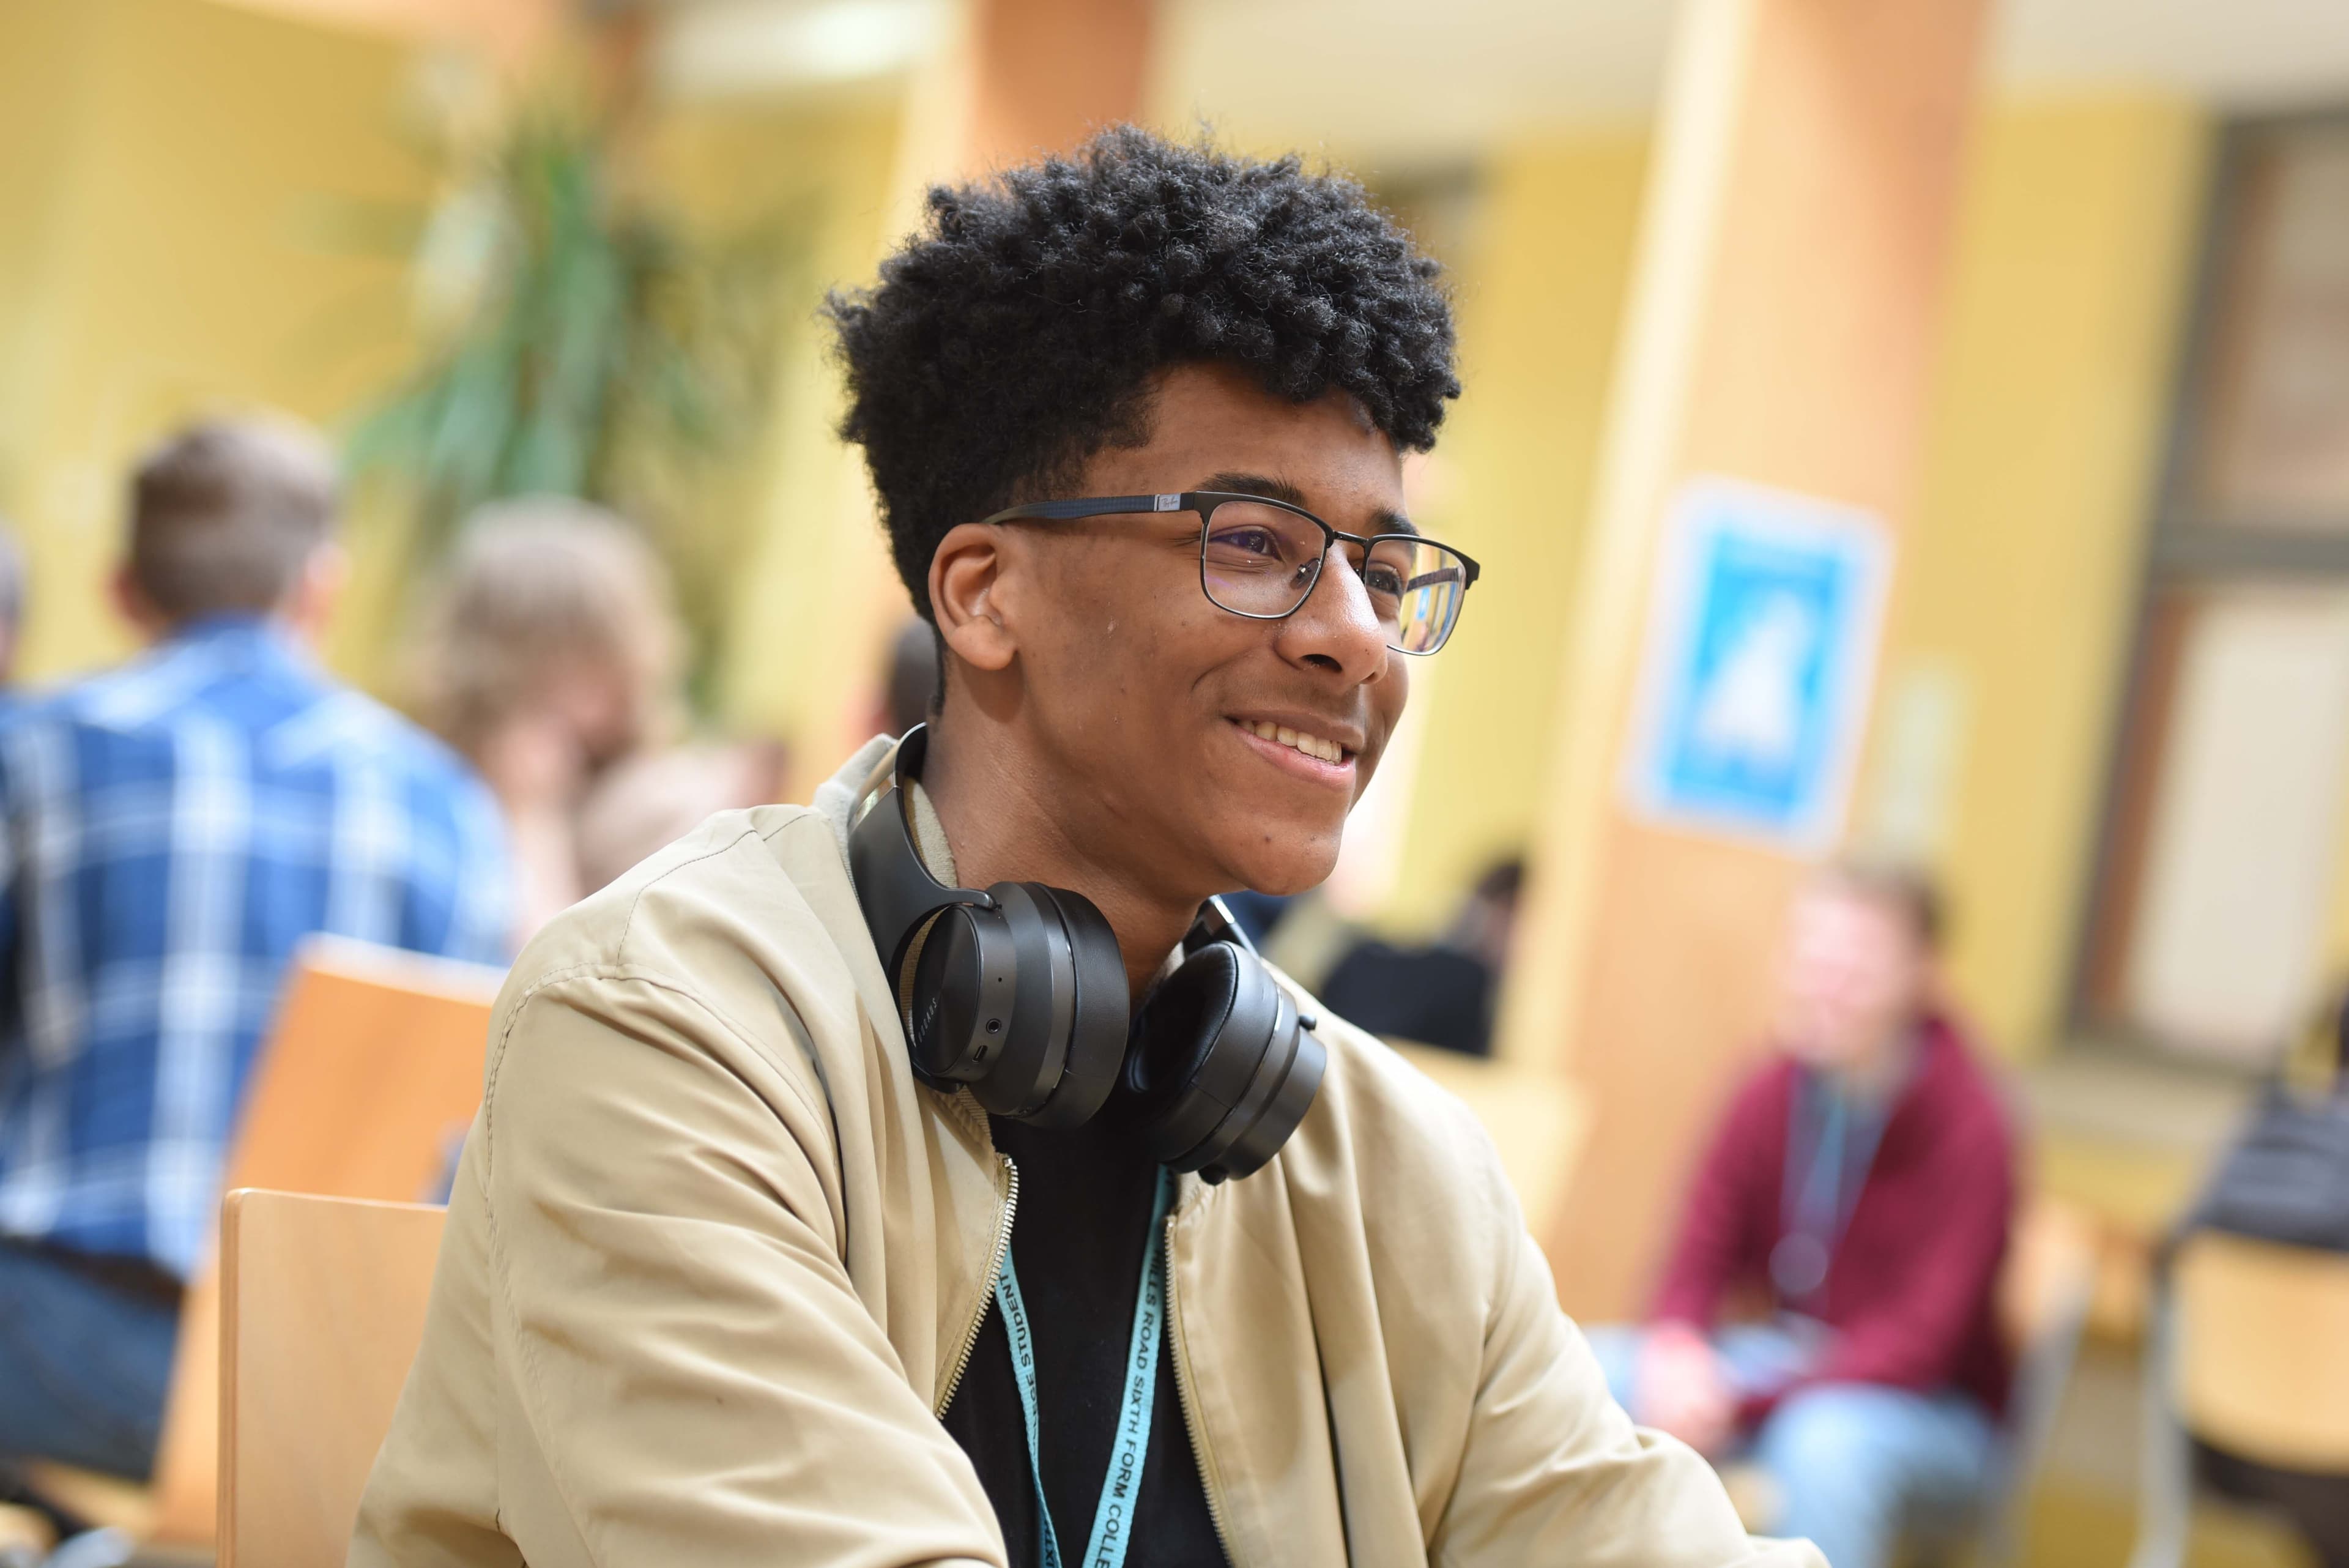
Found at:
<point>1188,1399</point>
<point>987,1288</point>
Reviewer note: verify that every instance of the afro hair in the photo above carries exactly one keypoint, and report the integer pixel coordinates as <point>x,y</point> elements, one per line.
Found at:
<point>1017,336</point>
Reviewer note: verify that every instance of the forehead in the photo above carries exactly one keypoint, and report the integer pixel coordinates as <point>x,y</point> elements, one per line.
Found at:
<point>1840,908</point>
<point>1206,420</point>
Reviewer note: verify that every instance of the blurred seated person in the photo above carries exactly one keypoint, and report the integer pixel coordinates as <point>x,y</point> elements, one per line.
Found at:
<point>169,830</point>
<point>648,801</point>
<point>1440,996</point>
<point>549,652</point>
<point>2285,1179</point>
<point>1858,1193</point>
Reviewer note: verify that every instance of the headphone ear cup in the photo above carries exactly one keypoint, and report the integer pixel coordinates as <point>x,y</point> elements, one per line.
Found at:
<point>1094,1047</point>
<point>1180,1021</point>
<point>959,998</point>
<point>1220,1070</point>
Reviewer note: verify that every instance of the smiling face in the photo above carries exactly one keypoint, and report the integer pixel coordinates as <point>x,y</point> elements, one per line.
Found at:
<point>1175,746</point>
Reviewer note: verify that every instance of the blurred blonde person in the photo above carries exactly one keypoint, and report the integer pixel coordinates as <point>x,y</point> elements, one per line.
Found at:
<point>650,800</point>
<point>171,829</point>
<point>549,653</point>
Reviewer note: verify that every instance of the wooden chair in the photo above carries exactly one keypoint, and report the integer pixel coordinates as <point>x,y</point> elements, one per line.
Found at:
<point>2044,1295</point>
<point>369,1077</point>
<point>322,1306</point>
<point>2249,1352</point>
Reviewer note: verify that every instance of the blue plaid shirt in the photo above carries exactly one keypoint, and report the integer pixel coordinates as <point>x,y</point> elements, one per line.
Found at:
<point>169,830</point>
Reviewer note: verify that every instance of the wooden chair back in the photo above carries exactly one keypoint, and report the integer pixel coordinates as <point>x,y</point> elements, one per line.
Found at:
<point>2261,1367</point>
<point>363,1089</point>
<point>322,1306</point>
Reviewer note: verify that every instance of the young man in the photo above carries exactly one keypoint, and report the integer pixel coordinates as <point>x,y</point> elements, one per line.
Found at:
<point>169,830</point>
<point>1859,1186</point>
<point>726,1282</point>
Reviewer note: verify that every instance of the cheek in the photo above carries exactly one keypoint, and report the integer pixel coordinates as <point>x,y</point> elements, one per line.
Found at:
<point>1389,697</point>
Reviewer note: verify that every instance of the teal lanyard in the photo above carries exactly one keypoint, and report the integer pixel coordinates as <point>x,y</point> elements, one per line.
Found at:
<point>1817,1208</point>
<point>1121,1484</point>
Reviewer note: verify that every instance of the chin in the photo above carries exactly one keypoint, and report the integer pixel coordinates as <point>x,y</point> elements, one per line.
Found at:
<point>1283,874</point>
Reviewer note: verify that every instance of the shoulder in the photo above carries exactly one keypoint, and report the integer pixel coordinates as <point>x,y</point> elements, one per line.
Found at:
<point>748,892</point>
<point>1965,1081</point>
<point>55,742</point>
<point>725,948</point>
<point>104,700</point>
<point>1752,1116</point>
<point>330,721</point>
<point>1387,1148</point>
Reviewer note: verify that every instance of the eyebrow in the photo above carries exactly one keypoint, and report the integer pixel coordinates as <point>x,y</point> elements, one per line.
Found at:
<point>1382,520</point>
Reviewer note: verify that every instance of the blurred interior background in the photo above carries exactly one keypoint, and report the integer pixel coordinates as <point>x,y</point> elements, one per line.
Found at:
<point>2056,290</point>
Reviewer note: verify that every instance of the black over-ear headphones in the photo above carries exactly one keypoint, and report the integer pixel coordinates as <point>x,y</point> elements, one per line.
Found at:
<point>1020,992</point>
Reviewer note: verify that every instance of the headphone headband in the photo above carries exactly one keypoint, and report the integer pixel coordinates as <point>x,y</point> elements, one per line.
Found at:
<point>895,890</point>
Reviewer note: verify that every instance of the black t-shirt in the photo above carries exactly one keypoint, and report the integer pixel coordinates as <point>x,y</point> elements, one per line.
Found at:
<point>1079,1239</point>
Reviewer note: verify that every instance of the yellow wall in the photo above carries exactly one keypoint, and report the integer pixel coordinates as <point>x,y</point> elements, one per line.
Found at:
<point>814,596</point>
<point>2066,304</point>
<point>790,619</point>
<point>163,163</point>
<point>2065,309</point>
<point>1539,293</point>
<point>165,167</point>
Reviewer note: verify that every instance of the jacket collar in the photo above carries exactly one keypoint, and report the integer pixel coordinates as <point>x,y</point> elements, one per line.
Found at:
<point>839,796</point>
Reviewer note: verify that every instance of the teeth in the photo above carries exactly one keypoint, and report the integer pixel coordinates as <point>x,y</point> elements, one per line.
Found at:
<point>1298,739</point>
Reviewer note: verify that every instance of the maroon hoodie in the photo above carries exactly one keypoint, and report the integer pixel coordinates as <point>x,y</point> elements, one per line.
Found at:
<point>1912,1291</point>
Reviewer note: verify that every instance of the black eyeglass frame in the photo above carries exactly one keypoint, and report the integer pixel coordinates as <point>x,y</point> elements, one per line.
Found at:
<point>1205,501</point>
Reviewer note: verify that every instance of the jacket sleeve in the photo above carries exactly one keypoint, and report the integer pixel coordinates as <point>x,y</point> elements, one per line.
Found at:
<point>1555,1472</point>
<point>1711,1246</point>
<point>685,1355</point>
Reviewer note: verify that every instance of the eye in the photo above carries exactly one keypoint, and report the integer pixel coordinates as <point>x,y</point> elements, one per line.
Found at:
<point>1249,540</point>
<point>1382,580</point>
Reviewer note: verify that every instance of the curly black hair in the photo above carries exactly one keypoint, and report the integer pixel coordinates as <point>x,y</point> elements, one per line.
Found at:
<point>1015,338</point>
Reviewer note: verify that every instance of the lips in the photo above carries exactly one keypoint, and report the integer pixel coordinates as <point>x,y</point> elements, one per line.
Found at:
<point>1319,747</point>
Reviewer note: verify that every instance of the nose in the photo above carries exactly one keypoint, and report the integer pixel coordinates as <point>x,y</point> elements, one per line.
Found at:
<point>1337,628</point>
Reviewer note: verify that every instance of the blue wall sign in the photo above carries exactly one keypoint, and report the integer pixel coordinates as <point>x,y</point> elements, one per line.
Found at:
<point>1762,639</point>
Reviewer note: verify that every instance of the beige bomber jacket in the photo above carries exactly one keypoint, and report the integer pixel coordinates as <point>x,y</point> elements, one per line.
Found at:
<point>715,1260</point>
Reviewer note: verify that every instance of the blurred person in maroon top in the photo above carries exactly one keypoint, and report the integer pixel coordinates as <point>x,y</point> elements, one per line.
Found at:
<point>1827,1310</point>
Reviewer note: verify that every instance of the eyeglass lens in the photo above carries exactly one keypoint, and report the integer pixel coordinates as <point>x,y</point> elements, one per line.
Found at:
<point>1261,560</point>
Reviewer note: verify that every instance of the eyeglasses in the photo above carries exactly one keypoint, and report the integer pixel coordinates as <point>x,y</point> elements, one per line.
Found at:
<point>1260,558</point>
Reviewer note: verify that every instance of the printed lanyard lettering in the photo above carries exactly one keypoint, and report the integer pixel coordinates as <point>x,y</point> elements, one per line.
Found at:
<point>1122,1486</point>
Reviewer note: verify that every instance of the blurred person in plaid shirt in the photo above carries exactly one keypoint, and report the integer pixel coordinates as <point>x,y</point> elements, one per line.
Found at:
<point>169,830</point>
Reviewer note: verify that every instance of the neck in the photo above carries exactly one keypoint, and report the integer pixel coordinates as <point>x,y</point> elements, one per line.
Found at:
<point>1007,821</point>
<point>1878,1074</point>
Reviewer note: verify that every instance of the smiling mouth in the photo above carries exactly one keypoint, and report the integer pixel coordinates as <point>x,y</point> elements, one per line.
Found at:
<point>1311,745</point>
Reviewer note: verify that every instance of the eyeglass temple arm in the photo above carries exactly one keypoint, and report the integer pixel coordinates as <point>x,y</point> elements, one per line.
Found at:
<point>1095,506</point>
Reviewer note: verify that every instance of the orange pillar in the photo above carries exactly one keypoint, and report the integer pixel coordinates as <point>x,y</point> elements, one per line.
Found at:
<point>1782,314</point>
<point>1010,80</point>
<point>1047,73</point>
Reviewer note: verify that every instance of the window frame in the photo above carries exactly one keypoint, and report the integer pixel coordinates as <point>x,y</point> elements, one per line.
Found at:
<point>2187,547</point>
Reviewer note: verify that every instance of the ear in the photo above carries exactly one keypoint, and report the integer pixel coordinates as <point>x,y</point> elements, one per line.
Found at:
<point>310,603</point>
<point>131,603</point>
<point>967,575</point>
